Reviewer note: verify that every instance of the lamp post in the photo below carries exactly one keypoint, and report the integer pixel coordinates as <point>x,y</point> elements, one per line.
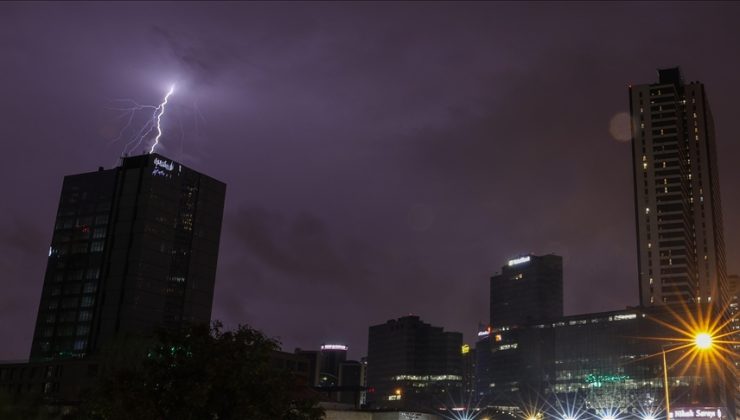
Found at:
<point>665,382</point>
<point>702,341</point>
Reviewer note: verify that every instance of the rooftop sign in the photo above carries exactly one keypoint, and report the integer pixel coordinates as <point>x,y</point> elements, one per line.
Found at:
<point>334,347</point>
<point>520,260</point>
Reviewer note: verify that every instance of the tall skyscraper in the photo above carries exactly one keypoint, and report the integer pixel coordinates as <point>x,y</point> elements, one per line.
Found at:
<point>681,254</point>
<point>529,288</point>
<point>134,249</point>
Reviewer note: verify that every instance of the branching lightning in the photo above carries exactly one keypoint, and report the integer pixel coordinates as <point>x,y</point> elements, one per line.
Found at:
<point>160,109</point>
<point>152,125</point>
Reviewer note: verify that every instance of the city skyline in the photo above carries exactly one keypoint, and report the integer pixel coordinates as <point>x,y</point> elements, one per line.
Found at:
<point>352,187</point>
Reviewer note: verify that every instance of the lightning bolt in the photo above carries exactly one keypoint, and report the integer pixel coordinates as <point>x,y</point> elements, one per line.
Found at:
<point>159,111</point>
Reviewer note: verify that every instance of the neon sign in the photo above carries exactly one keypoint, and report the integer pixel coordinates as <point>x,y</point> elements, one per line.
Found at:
<point>160,166</point>
<point>693,413</point>
<point>334,347</point>
<point>521,260</point>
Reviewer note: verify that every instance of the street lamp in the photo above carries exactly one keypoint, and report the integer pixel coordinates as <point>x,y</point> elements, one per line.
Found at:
<point>703,342</point>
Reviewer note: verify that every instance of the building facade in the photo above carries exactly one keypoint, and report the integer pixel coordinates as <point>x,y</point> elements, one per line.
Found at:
<point>134,249</point>
<point>681,255</point>
<point>527,289</point>
<point>413,365</point>
<point>601,365</point>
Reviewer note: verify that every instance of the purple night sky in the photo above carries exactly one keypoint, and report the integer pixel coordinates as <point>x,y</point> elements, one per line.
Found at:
<point>381,158</point>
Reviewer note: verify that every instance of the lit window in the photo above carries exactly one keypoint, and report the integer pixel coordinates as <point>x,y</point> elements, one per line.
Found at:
<point>647,210</point>
<point>80,345</point>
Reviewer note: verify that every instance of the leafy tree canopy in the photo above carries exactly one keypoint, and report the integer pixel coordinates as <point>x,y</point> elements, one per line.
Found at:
<point>200,373</point>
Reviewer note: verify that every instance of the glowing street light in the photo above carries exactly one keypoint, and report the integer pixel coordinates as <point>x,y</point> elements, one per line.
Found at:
<point>702,342</point>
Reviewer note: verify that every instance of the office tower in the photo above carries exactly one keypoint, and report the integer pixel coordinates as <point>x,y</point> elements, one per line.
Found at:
<point>527,289</point>
<point>332,356</point>
<point>681,256</point>
<point>134,249</point>
<point>412,365</point>
<point>351,382</point>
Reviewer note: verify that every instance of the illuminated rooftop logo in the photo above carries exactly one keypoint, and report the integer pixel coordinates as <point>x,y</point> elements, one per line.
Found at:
<point>334,347</point>
<point>520,260</point>
<point>163,164</point>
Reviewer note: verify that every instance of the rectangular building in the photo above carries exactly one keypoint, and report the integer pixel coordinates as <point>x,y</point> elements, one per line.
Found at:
<point>681,254</point>
<point>134,249</point>
<point>413,365</point>
<point>527,289</point>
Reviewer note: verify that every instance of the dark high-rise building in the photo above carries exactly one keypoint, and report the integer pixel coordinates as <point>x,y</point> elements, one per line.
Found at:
<point>527,289</point>
<point>332,356</point>
<point>134,249</point>
<point>681,253</point>
<point>351,382</point>
<point>413,365</point>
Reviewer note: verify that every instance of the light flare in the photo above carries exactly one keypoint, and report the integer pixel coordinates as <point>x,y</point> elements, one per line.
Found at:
<point>702,337</point>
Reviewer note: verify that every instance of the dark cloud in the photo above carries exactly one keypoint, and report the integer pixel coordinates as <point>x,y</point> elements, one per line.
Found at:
<point>300,247</point>
<point>381,158</point>
<point>201,60</point>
